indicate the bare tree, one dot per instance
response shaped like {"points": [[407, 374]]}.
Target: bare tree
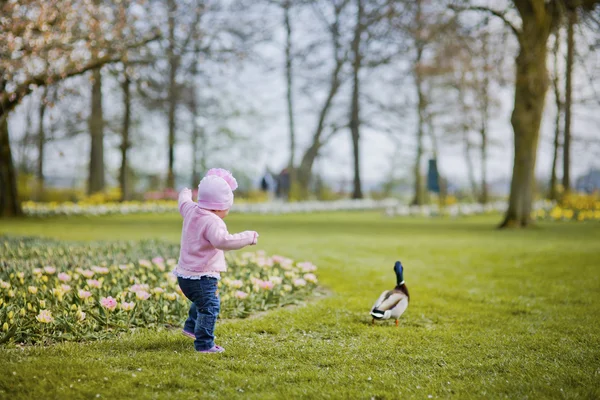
{"points": [[571, 21], [553, 194], [330, 13]]}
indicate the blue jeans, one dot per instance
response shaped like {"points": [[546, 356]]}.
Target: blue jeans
{"points": [[204, 310]]}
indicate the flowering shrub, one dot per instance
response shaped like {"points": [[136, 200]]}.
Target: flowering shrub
{"points": [[55, 291], [573, 207]]}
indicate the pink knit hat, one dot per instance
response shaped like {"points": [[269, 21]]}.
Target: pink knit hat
{"points": [[215, 191]]}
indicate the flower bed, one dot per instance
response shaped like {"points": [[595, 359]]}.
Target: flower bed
{"points": [[162, 206], [55, 291], [574, 207]]}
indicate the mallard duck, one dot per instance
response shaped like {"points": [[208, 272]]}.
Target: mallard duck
{"points": [[392, 303]]}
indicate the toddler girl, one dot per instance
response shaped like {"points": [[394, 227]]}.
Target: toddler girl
{"points": [[201, 260]]}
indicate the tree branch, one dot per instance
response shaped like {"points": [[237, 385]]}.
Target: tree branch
{"points": [[495, 13], [9, 100]]}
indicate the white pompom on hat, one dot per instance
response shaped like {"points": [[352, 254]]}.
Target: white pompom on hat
{"points": [[215, 191]]}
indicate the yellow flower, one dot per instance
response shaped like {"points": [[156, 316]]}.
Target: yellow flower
{"points": [[170, 296], [80, 315], [5, 327], [568, 214], [43, 303], [22, 312], [32, 289]]}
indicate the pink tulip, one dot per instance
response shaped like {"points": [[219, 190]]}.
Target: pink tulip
{"points": [[109, 303]]}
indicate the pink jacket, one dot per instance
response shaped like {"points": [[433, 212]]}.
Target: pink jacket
{"points": [[204, 237]]}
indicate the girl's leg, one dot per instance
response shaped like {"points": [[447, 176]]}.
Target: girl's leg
{"points": [[208, 311], [203, 293], [190, 323]]}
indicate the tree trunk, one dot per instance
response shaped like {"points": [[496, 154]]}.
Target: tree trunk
{"points": [[9, 198], [287, 5], [484, 115], [465, 135], [355, 104], [96, 126], [553, 194], [41, 141], [470, 165], [125, 144], [566, 179], [483, 192], [531, 85], [421, 105], [172, 96]]}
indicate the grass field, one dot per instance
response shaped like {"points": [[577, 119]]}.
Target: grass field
{"points": [[493, 314]]}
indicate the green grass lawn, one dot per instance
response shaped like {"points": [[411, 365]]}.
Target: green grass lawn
{"points": [[493, 314]]}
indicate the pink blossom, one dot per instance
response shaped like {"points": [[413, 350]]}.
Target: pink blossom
{"points": [[100, 270], [45, 317], [142, 295], [83, 294], [240, 295], [94, 283], [158, 260], [49, 270], [299, 282], [64, 277], [145, 263], [65, 288], [267, 285], [127, 306], [87, 273], [312, 278], [108, 302], [137, 287]]}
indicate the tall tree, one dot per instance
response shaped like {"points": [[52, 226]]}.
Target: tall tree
{"points": [[96, 126], [553, 193], [287, 6], [174, 60], [330, 12], [359, 28], [571, 21], [125, 141], [41, 142], [538, 19]]}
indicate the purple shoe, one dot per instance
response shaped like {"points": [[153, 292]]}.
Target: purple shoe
{"points": [[188, 334], [214, 349]]}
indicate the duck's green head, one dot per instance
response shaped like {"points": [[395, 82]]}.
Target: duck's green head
{"points": [[399, 270]]}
